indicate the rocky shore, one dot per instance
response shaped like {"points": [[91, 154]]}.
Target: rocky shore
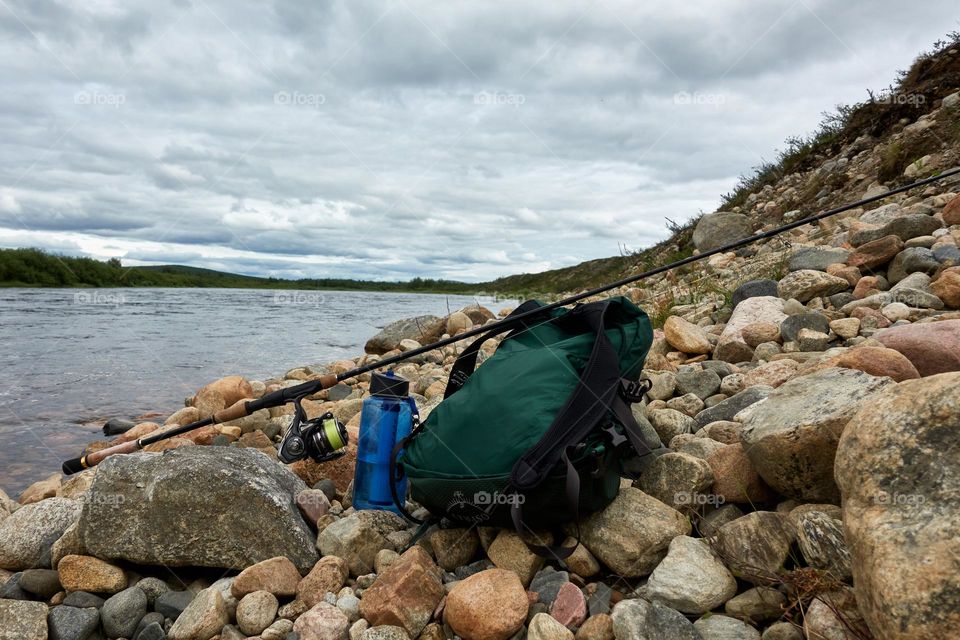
{"points": [[809, 391]]}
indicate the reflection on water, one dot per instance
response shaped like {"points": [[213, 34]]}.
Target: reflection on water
{"points": [[70, 358]]}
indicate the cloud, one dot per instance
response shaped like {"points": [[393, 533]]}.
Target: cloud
{"points": [[407, 138]]}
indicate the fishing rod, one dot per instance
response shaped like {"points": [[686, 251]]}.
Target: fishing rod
{"points": [[319, 438]]}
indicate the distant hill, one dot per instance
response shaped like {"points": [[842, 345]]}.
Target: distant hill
{"points": [[36, 268]]}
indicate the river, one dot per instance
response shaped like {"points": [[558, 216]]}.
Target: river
{"points": [[74, 357]]}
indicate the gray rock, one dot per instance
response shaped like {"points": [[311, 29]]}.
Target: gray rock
{"points": [[70, 623], [816, 258], [547, 583], [912, 260], [641, 620], [904, 227], [722, 369], [733, 405], [754, 289], [631, 534], [783, 631], [670, 422], [808, 284], [790, 328], [83, 600], [718, 229], [599, 600], [203, 618], [723, 628], [837, 300], [358, 537], [820, 538], [757, 604], [919, 281], [703, 383], [755, 546], [153, 631], [420, 328], [116, 426], [150, 619], [154, 588], [41, 582], [28, 533], [256, 611], [164, 500], [947, 253], [712, 522], [122, 612], [731, 346], [691, 579], [385, 632], [792, 436], [663, 384], [21, 620], [675, 478], [172, 603]]}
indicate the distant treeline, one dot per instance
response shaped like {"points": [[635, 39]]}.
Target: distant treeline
{"points": [[36, 268]]}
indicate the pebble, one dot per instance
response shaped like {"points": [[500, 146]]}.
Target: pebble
{"points": [[490, 605], [544, 627], [691, 578], [569, 608], [717, 627], [204, 617], [70, 623], [256, 611], [122, 612]]}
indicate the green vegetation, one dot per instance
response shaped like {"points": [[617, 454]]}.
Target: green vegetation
{"points": [[35, 268], [932, 76]]}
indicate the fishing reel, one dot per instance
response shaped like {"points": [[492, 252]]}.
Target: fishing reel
{"points": [[321, 439]]}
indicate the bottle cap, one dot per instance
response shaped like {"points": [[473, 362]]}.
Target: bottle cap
{"points": [[388, 385]]}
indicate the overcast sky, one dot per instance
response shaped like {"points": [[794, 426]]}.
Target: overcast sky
{"points": [[402, 138]]}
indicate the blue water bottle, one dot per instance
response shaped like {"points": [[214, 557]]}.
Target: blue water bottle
{"points": [[386, 418]]}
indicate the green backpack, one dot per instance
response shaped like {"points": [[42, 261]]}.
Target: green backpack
{"points": [[535, 437]]}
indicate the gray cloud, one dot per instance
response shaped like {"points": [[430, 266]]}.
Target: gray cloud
{"points": [[404, 138]]}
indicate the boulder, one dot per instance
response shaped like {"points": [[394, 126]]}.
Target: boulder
{"points": [[735, 478], [726, 410], [731, 346], [148, 508], [792, 436], [420, 328], [256, 611], [719, 229], [685, 336], [703, 383], [932, 347], [947, 287], [754, 289], [71, 623], [322, 622], [85, 573], [875, 253], [28, 533], [406, 594], [877, 361], [327, 576], [807, 284], [632, 533], [716, 627], [898, 473], [41, 490], [277, 575], [203, 618], [358, 537], [755, 546], [490, 605], [638, 619], [820, 538], [676, 479], [816, 258], [951, 212], [21, 620], [691, 578]]}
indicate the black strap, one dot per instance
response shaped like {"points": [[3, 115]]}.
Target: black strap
{"points": [[587, 405], [572, 490], [466, 362]]}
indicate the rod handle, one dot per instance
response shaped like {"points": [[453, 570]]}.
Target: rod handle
{"points": [[237, 410], [93, 459]]}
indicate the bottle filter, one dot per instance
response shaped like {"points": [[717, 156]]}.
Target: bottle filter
{"points": [[386, 418]]}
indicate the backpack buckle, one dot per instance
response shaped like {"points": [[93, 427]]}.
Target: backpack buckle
{"points": [[633, 390]]}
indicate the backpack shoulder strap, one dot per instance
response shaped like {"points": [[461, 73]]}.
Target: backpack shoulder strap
{"points": [[466, 362]]}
